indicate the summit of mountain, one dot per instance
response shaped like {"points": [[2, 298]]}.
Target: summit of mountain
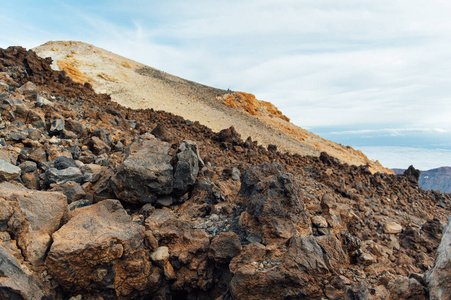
{"points": [[138, 86]]}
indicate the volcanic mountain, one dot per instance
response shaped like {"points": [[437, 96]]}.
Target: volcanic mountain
{"points": [[138, 86], [102, 201]]}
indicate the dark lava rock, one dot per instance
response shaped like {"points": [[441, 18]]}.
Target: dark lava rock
{"points": [[412, 174], [187, 167], [63, 162], [53, 175], [146, 173]]}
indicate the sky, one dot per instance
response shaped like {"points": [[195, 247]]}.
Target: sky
{"points": [[371, 74]]}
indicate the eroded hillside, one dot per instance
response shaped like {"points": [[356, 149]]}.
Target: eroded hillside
{"points": [[138, 86]]}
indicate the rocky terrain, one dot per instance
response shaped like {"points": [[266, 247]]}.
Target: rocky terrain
{"points": [[100, 201], [138, 86], [438, 179]]}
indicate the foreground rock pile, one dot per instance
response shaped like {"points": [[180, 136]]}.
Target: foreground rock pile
{"points": [[103, 202]]}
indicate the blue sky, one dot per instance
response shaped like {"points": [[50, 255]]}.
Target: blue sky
{"points": [[371, 74]]}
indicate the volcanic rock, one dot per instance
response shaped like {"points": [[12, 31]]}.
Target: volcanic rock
{"points": [[160, 256], [54, 175], [63, 162], [187, 167], [224, 247], [392, 228], [28, 167], [97, 145], [92, 172], [146, 173], [56, 127], [100, 250], [18, 282], [163, 133], [72, 190], [274, 202], [8, 171], [32, 217], [439, 278], [412, 174]]}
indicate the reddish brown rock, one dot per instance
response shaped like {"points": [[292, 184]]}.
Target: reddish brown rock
{"points": [[224, 247], [33, 217], [274, 202], [100, 249]]}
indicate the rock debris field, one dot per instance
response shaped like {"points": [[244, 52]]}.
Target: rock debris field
{"points": [[99, 201]]}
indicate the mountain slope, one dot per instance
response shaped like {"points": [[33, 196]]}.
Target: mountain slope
{"points": [[138, 86]]}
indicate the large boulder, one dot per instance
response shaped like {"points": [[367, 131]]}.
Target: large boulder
{"points": [[187, 167], [292, 272], [187, 247], [100, 250], [274, 206], [32, 217], [145, 174], [439, 278]]}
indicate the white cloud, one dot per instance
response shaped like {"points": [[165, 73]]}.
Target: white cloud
{"points": [[403, 157], [390, 131]]}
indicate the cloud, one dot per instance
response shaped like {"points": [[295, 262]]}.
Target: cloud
{"points": [[403, 157], [390, 131]]}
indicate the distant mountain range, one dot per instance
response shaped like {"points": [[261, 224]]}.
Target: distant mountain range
{"points": [[434, 179]]}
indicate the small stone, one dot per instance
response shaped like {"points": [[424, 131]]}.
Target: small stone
{"points": [[8, 171], [160, 256], [28, 166], [41, 101], [169, 272], [31, 180], [392, 228], [91, 172], [56, 127], [272, 148], [319, 221], [54, 175], [165, 201], [63, 162], [54, 140], [37, 155], [77, 204], [150, 240], [214, 217], [29, 88], [238, 149], [97, 146], [34, 134], [119, 147], [99, 274], [72, 190], [236, 174], [367, 259]]}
